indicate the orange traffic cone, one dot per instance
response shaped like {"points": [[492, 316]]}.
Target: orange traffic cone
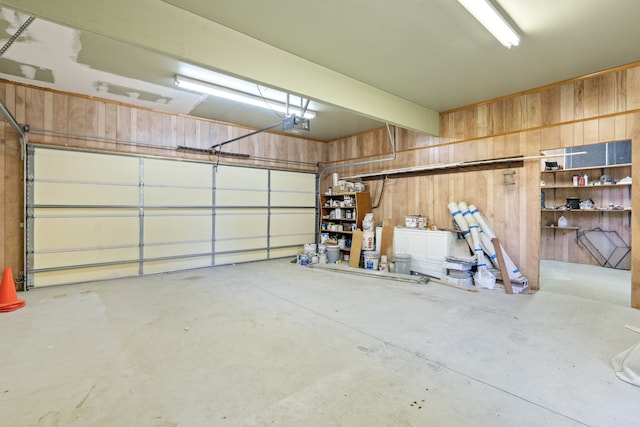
{"points": [[8, 298]]}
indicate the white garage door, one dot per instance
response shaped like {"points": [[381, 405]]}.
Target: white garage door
{"points": [[95, 216]]}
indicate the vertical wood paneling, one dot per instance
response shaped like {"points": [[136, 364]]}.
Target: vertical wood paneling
{"points": [[591, 131], [77, 116], [606, 129], [633, 88], [111, 121], [578, 100], [4, 188], [567, 103], [35, 105], [534, 110], [13, 206], [591, 97], [48, 109], [621, 91], [93, 122], [123, 122], [60, 118], [607, 94], [551, 106], [20, 107]]}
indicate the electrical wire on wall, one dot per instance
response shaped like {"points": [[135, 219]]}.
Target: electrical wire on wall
{"points": [[377, 204]]}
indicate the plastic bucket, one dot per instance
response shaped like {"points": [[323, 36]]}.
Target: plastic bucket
{"points": [[371, 260], [402, 263], [368, 240], [333, 254]]}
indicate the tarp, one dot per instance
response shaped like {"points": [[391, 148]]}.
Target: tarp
{"points": [[627, 364]]}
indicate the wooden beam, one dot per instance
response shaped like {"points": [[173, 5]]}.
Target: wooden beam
{"points": [[503, 267]]}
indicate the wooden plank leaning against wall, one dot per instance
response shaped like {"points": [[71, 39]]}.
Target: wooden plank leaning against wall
{"points": [[597, 108], [69, 120]]}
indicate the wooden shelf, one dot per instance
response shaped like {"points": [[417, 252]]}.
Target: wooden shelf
{"points": [[587, 210], [555, 229], [590, 168], [581, 187], [361, 204]]}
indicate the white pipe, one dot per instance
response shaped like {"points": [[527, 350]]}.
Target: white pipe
{"points": [[459, 164], [512, 269], [462, 224], [473, 229], [483, 277]]}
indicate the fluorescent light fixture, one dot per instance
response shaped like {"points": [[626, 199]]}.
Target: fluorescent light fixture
{"points": [[488, 16], [238, 96]]}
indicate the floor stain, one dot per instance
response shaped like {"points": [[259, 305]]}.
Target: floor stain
{"points": [[79, 405], [193, 278]]}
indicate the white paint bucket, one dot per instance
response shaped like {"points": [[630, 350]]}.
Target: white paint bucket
{"points": [[368, 242], [309, 248], [402, 263], [333, 254], [371, 260]]}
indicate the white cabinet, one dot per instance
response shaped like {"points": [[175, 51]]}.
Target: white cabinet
{"points": [[428, 249]]}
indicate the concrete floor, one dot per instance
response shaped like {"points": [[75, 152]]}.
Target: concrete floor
{"points": [[273, 343]]}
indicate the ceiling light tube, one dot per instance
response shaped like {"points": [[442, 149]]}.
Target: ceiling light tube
{"points": [[488, 16], [233, 95]]}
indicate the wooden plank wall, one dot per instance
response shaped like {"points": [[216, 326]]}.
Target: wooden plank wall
{"points": [[70, 120], [597, 108]]}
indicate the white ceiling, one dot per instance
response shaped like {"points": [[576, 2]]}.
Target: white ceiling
{"points": [[431, 53]]}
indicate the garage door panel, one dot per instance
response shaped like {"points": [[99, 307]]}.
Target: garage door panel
{"points": [[284, 252], [297, 240], [53, 193], [241, 244], [292, 221], [169, 227], [177, 174], [65, 165], [74, 233], [241, 223], [292, 189], [292, 199], [165, 196], [176, 264], [235, 197], [85, 256], [177, 249], [238, 186], [242, 177], [241, 257], [88, 274]]}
